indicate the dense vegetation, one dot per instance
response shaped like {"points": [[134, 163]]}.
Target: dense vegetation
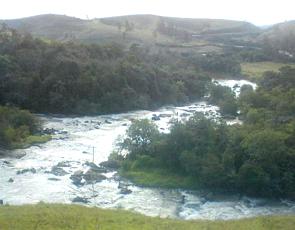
{"points": [[18, 128], [219, 63], [256, 158], [54, 216], [225, 98], [72, 78]]}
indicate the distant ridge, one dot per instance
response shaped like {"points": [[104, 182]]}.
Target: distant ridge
{"points": [[131, 28]]}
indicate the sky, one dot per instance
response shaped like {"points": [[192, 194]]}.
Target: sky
{"points": [[258, 12]]}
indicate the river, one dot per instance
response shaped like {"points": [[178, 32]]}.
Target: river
{"points": [[73, 145]]}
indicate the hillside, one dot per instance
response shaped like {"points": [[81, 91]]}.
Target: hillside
{"points": [[281, 38], [149, 29]]}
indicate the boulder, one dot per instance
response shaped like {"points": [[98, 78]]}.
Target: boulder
{"points": [[53, 179], [92, 176], [19, 155], [10, 180], [63, 164], [182, 201], [57, 171], [184, 114], [48, 131], [79, 199], [63, 132], [164, 115], [123, 186], [31, 170], [94, 167], [110, 164], [125, 191], [156, 118], [77, 178]]}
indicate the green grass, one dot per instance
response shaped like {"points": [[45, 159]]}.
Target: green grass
{"points": [[158, 178], [255, 70], [56, 216], [31, 140]]}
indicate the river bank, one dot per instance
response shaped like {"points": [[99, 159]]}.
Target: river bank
{"points": [[47, 170], [56, 216]]}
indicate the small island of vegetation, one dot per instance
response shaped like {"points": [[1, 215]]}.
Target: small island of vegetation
{"points": [[255, 158], [19, 128]]}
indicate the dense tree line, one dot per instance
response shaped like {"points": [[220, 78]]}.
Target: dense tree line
{"points": [[256, 158], [56, 77], [219, 63]]}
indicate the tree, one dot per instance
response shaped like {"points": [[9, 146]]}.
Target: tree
{"points": [[140, 136]]}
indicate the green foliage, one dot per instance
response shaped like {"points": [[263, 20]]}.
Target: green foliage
{"points": [[140, 135], [91, 79], [253, 179], [256, 158], [17, 126], [253, 56], [155, 177], [225, 98], [31, 140], [219, 63]]}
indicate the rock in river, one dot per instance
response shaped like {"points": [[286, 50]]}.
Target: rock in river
{"points": [[31, 170], [155, 117], [57, 171], [79, 199], [64, 164], [54, 179], [125, 191], [92, 176], [96, 168], [110, 164], [77, 178], [108, 122]]}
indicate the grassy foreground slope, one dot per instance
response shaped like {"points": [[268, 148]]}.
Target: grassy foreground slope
{"points": [[44, 216]]}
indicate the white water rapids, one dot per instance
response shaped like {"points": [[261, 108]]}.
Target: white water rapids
{"points": [[74, 145]]}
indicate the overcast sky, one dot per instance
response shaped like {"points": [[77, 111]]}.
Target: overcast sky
{"points": [[259, 12]]}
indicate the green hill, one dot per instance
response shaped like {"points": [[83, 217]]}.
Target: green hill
{"points": [[281, 39], [134, 28]]}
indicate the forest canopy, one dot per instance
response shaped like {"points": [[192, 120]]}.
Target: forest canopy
{"points": [[52, 77]]}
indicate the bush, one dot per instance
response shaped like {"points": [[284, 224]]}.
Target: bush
{"points": [[16, 126], [224, 98]]}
